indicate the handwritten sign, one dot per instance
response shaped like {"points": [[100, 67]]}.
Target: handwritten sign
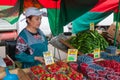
{"points": [[92, 26], [48, 57], [97, 53], [72, 55]]}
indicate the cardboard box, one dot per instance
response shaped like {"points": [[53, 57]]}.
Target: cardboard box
{"points": [[111, 32]]}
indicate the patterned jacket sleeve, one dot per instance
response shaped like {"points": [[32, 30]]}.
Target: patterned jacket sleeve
{"points": [[23, 52]]}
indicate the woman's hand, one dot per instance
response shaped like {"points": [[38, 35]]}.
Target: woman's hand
{"points": [[41, 59]]}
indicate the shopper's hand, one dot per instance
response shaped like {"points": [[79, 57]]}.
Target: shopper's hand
{"points": [[41, 59]]}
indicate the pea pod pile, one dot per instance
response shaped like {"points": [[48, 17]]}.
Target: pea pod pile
{"points": [[87, 41]]}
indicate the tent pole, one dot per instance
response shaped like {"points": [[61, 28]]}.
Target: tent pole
{"points": [[56, 28], [116, 30], [56, 15]]}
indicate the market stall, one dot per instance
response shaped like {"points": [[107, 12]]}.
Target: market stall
{"points": [[92, 63], [89, 55], [85, 68]]}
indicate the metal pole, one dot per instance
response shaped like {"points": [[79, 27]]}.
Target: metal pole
{"points": [[56, 29], [116, 30]]}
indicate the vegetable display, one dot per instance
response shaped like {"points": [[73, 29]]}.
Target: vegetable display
{"points": [[87, 41]]}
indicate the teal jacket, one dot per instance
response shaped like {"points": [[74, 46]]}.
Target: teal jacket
{"points": [[28, 47]]}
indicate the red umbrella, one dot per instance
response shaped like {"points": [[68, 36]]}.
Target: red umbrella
{"points": [[10, 9], [50, 3]]}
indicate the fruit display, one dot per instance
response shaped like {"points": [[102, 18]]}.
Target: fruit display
{"points": [[62, 77], [90, 70], [63, 66], [84, 59], [74, 66], [54, 72], [96, 67], [38, 70], [111, 49], [112, 64], [48, 77], [58, 76], [101, 78], [53, 68], [99, 70], [92, 75], [83, 68], [102, 73], [107, 56], [74, 75], [8, 61], [112, 77]]}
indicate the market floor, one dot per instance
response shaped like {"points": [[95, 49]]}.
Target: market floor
{"points": [[58, 54]]}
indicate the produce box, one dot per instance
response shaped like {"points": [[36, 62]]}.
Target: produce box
{"points": [[21, 74], [111, 32], [55, 76], [53, 68], [9, 62], [58, 71], [37, 71], [63, 66]]}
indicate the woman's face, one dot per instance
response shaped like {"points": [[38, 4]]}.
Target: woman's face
{"points": [[34, 21]]}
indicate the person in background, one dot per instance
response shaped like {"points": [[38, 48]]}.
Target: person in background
{"points": [[31, 41]]}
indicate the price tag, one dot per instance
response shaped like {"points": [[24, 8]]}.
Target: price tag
{"points": [[72, 55], [97, 53], [48, 57], [92, 26]]}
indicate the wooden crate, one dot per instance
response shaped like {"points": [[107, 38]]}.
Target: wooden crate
{"points": [[22, 75]]}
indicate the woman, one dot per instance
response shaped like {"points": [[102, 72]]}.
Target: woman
{"points": [[31, 42]]}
